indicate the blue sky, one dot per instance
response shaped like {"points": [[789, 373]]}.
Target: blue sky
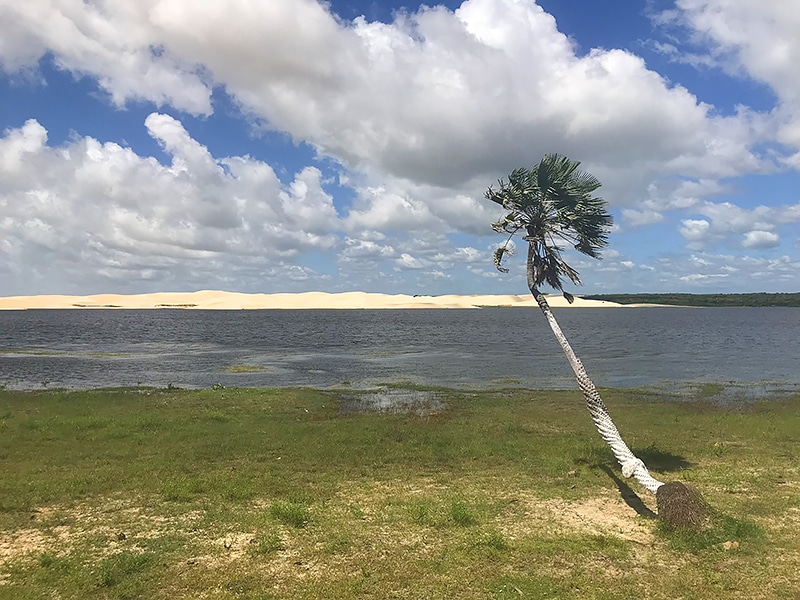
{"points": [[168, 145]]}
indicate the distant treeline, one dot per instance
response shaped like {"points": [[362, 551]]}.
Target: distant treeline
{"points": [[758, 299]]}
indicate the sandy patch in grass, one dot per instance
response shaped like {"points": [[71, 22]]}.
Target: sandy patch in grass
{"points": [[233, 547], [603, 515], [390, 535], [16, 544], [606, 514], [119, 523]]}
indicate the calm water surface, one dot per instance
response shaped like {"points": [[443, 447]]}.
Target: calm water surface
{"points": [[458, 348]]}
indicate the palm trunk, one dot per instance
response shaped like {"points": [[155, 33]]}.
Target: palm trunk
{"points": [[631, 465]]}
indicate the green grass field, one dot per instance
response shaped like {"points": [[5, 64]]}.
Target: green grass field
{"points": [[297, 493]]}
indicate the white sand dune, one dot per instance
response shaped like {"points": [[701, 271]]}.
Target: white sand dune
{"points": [[209, 299]]}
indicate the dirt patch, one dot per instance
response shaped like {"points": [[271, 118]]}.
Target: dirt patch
{"points": [[602, 515], [61, 528], [606, 514], [389, 534], [26, 542], [234, 547]]}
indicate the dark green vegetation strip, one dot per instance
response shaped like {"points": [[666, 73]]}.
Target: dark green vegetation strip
{"points": [[759, 299], [234, 493]]}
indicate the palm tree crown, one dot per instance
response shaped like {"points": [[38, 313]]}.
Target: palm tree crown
{"points": [[552, 203]]}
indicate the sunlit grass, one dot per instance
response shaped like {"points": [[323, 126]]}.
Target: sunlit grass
{"points": [[233, 493]]}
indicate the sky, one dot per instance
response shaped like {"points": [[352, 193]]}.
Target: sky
{"points": [[295, 145]]}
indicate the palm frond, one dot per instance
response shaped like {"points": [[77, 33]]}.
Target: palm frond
{"points": [[498, 257], [553, 201]]}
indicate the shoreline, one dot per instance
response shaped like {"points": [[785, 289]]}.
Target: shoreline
{"points": [[220, 300]]}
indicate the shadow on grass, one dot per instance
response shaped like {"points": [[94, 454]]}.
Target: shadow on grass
{"points": [[653, 457], [630, 497], [659, 460], [722, 531], [597, 457]]}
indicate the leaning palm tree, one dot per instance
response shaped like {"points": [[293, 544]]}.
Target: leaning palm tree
{"points": [[552, 204]]}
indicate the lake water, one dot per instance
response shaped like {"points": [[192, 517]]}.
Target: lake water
{"points": [[486, 348]]}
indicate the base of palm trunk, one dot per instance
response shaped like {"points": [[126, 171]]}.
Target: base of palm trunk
{"points": [[681, 507]]}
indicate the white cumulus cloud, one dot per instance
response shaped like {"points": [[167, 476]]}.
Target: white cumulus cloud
{"points": [[761, 239], [100, 208], [435, 96], [695, 229]]}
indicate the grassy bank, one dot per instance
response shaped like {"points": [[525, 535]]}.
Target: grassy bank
{"points": [[299, 493], [711, 300]]}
